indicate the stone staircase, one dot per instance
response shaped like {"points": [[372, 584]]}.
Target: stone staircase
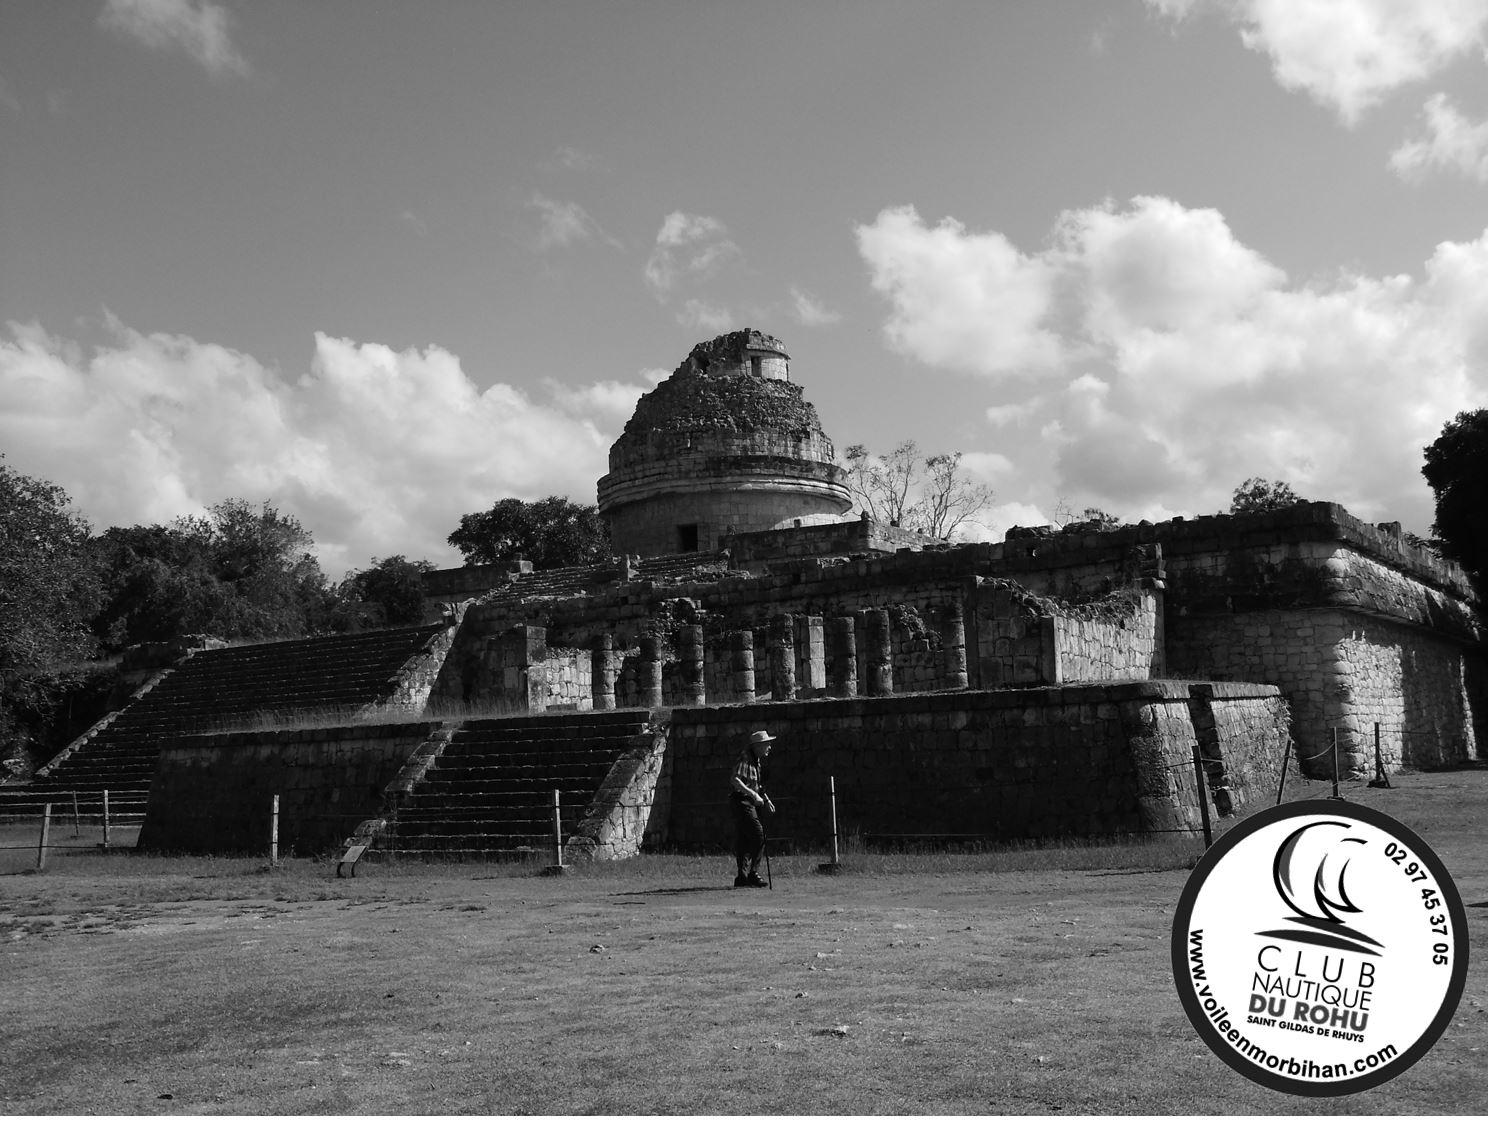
{"points": [[490, 793], [681, 566], [210, 691]]}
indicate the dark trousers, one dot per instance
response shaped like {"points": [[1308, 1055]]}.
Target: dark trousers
{"points": [[750, 839]]}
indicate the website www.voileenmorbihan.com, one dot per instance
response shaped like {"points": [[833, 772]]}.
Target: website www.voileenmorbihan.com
{"points": [[1289, 1065]]}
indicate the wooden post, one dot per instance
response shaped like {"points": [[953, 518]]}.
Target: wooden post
{"points": [[559, 836], [1197, 766], [77, 819], [275, 829], [1381, 780], [1334, 762], [46, 827], [106, 821], [1285, 763]]}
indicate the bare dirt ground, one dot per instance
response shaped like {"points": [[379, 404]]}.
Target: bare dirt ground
{"points": [[957, 985]]}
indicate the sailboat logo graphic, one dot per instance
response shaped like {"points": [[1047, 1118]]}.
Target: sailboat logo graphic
{"points": [[1311, 875]]}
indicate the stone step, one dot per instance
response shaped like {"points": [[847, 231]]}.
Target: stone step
{"points": [[495, 836], [532, 750], [491, 803], [450, 768], [478, 853], [535, 785], [571, 724]]}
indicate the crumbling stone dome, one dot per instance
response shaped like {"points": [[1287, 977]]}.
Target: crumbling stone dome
{"points": [[726, 443]]}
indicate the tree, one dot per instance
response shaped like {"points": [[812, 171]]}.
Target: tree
{"points": [[393, 588], [48, 589], [930, 495], [243, 571], [552, 533], [1457, 470], [1256, 496]]}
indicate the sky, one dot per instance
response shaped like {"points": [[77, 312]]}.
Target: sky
{"points": [[384, 264]]}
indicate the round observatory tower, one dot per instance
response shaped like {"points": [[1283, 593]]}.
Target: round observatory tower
{"points": [[726, 444]]}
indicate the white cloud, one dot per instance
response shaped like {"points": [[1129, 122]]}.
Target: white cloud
{"points": [[810, 311], [609, 404], [200, 28], [562, 224], [705, 315], [376, 451], [575, 159], [1012, 412], [1168, 361], [690, 248], [1451, 142], [966, 301], [1350, 54]]}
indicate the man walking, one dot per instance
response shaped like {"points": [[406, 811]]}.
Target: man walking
{"points": [[746, 798]]}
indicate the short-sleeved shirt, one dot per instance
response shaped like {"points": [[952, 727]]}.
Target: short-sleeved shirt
{"points": [[749, 771]]}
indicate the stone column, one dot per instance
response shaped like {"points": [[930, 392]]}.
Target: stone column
{"points": [[780, 655], [650, 672], [955, 660], [842, 667], [743, 667], [810, 638], [521, 657], [878, 653], [603, 674], [692, 663]]}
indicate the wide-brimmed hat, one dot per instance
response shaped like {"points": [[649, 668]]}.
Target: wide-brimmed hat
{"points": [[757, 739]]}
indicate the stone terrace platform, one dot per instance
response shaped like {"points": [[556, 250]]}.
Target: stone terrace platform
{"points": [[211, 690]]}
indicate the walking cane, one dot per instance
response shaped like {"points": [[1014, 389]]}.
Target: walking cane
{"points": [[766, 855]]}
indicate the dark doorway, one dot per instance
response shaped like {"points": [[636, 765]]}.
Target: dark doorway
{"points": [[689, 538]]}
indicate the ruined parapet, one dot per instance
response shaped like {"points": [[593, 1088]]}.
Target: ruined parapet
{"points": [[1359, 626], [725, 444], [627, 811]]}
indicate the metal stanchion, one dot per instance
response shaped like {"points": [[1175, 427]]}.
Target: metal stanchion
{"points": [[834, 833]]}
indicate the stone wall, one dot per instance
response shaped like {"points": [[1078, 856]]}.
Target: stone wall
{"points": [[1089, 760], [1346, 672], [647, 504], [755, 552], [1116, 640], [213, 793]]}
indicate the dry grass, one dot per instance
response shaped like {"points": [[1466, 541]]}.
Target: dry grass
{"points": [[1016, 981]]}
